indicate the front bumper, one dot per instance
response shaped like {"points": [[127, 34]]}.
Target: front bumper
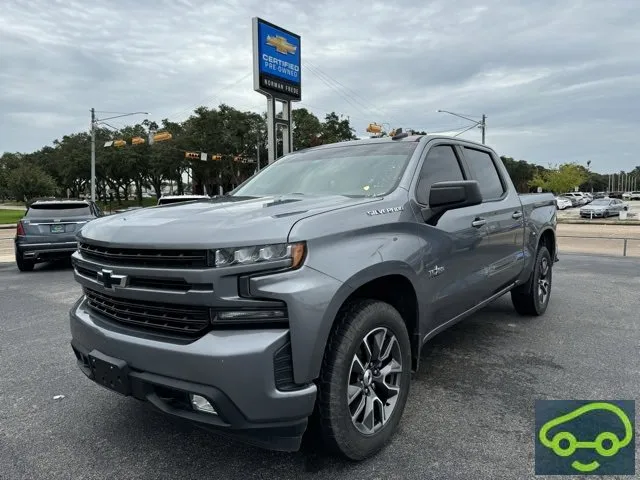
{"points": [[232, 369], [595, 213], [42, 252]]}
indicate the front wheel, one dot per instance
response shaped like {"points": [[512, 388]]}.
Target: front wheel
{"points": [[532, 298], [365, 378]]}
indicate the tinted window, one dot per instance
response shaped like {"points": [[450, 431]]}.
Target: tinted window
{"points": [[352, 170], [441, 165], [58, 210], [484, 171]]}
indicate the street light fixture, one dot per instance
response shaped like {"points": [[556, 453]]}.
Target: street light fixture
{"points": [[482, 124], [94, 122]]}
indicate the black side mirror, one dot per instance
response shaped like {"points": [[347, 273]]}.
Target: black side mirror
{"points": [[445, 196]]}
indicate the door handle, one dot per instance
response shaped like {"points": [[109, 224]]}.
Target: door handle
{"points": [[478, 222], [516, 215]]}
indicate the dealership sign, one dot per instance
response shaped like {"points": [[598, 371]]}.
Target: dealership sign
{"points": [[276, 61]]}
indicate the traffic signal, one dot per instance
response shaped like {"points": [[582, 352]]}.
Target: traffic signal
{"points": [[374, 128], [119, 143], [137, 141], [237, 158], [192, 155], [161, 137], [217, 156]]}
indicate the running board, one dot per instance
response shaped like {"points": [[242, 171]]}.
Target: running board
{"points": [[472, 310]]}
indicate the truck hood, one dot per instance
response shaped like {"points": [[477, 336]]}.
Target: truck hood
{"points": [[220, 222]]}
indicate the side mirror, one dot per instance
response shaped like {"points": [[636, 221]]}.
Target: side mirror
{"points": [[445, 196]]}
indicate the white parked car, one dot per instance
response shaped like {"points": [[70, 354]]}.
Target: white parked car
{"points": [[635, 195], [580, 197], [563, 202]]}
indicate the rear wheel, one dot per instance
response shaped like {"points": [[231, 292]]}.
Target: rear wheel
{"points": [[365, 378], [24, 265], [532, 298]]}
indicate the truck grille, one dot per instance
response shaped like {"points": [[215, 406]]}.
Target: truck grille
{"points": [[146, 257], [176, 319]]}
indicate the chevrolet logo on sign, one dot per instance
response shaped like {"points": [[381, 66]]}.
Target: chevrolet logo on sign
{"points": [[281, 45]]}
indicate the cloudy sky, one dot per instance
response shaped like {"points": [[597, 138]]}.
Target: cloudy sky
{"points": [[558, 80]]}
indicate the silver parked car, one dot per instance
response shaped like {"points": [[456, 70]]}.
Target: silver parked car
{"points": [[48, 230], [603, 207]]}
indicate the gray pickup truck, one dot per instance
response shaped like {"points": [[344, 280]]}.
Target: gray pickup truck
{"points": [[308, 292]]}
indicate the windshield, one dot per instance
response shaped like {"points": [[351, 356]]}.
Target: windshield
{"points": [[350, 170], [601, 202], [67, 209]]}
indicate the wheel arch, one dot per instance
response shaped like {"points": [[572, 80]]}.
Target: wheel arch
{"points": [[394, 283]]}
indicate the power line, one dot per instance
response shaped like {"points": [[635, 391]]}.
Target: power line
{"points": [[354, 94], [206, 100], [347, 98]]}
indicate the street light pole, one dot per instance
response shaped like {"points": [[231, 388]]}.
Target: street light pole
{"points": [[482, 124], [93, 155], [94, 122]]}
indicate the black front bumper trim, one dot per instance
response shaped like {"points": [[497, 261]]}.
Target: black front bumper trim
{"points": [[170, 396]]}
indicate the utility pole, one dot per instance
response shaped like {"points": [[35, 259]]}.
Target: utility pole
{"points": [[482, 124], [93, 155]]}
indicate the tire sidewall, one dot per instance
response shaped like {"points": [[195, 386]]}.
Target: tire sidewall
{"points": [[543, 253], [387, 317]]}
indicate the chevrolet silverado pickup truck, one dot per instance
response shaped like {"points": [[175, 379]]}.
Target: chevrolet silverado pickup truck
{"points": [[308, 292]]}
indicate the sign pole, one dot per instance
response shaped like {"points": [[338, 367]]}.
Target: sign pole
{"points": [[277, 75], [271, 130]]}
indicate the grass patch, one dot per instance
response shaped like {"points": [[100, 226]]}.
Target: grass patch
{"points": [[10, 216]]}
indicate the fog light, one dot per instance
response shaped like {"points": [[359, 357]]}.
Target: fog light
{"points": [[201, 404]]}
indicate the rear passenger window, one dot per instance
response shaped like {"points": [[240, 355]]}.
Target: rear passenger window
{"points": [[484, 171], [441, 165]]}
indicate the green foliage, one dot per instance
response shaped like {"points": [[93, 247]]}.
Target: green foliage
{"points": [[561, 179], [122, 173], [27, 182]]}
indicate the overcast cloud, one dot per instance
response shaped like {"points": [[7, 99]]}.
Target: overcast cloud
{"points": [[558, 81]]}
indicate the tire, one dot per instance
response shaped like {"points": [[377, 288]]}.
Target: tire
{"points": [[359, 321], [24, 265], [528, 299]]}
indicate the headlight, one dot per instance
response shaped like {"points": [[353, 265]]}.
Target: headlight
{"points": [[294, 252]]}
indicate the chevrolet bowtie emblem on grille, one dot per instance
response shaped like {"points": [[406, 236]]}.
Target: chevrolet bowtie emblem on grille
{"points": [[109, 280], [281, 44]]}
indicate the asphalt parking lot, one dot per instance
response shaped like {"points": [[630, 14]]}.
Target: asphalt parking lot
{"points": [[469, 416]]}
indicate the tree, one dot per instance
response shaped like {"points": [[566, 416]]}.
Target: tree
{"points": [[559, 180], [307, 129], [336, 130], [27, 182]]}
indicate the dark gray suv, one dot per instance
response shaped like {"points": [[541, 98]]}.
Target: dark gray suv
{"points": [[310, 290], [48, 230]]}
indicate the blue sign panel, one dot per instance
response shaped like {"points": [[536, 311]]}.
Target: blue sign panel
{"points": [[278, 61]]}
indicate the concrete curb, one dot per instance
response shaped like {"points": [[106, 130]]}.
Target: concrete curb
{"points": [[7, 226], [598, 222]]}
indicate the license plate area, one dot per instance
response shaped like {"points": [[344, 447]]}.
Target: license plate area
{"points": [[57, 228], [111, 373]]}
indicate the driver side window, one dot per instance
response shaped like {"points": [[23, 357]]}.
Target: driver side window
{"points": [[441, 165]]}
